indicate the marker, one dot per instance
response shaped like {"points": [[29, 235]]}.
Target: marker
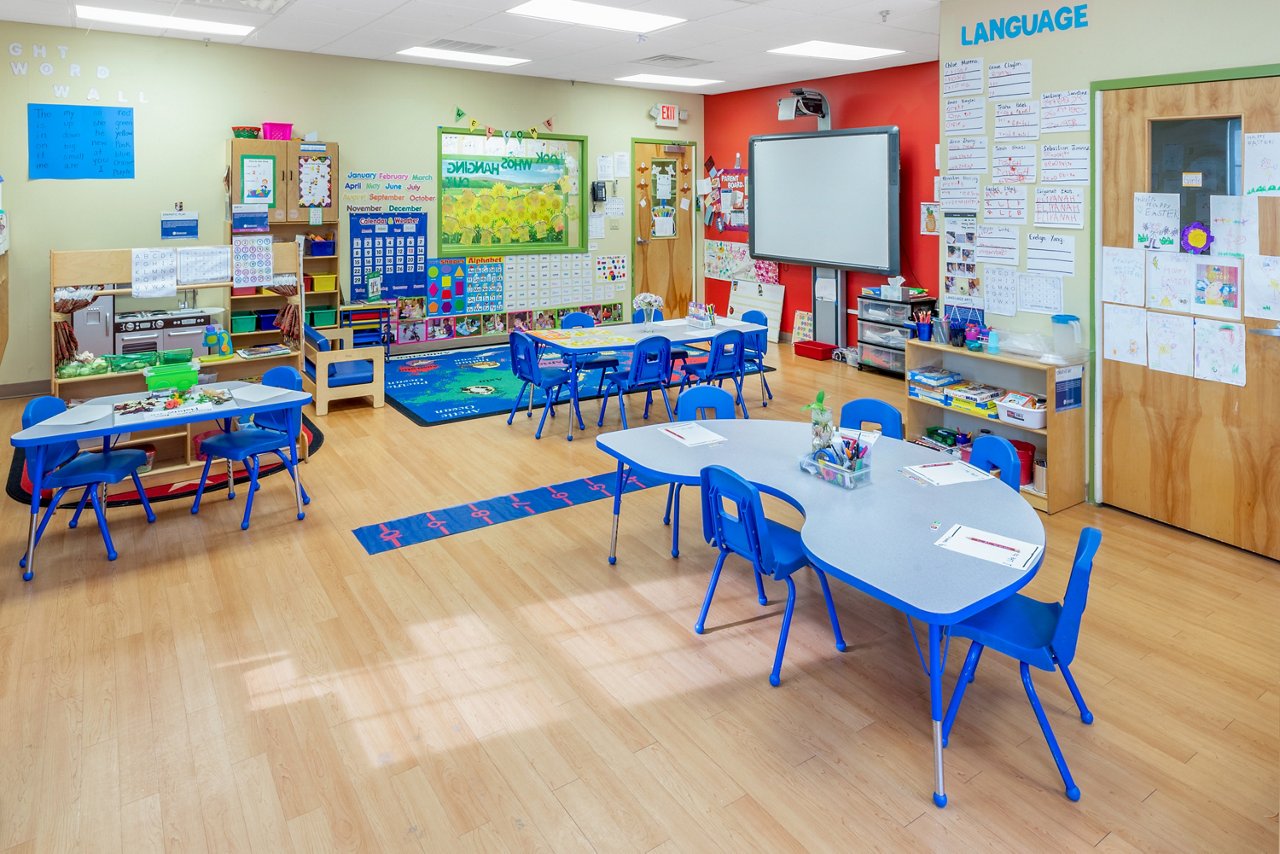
{"points": [[673, 433]]}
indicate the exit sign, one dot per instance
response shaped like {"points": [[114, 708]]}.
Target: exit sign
{"points": [[668, 116]]}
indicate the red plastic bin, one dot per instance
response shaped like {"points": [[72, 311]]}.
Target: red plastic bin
{"points": [[1026, 459], [277, 130], [814, 350]]}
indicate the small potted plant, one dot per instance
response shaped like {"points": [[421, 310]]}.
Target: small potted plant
{"points": [[648, 303], [820, 421]]}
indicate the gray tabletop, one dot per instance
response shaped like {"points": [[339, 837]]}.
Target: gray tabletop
{"points": [[676, 330], [879, 538]]}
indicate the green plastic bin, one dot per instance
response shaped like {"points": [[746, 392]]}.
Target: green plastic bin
{"points": [[323, 316], [243, 321]]}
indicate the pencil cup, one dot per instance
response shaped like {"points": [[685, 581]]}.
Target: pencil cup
{"points": [[924, 331]]}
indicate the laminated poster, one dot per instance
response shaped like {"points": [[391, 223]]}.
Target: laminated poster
{"points": [[1220, 351], [960, 282], [1171, 343], [1262, 286], [1000, 285], [155, 273], [1124, 334], [251, 261], [1124, 275]]}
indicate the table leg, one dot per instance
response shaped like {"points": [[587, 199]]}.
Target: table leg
{"points": [[617, 511], [35, 471], [574, 410], [295, 429], [935, 711]]}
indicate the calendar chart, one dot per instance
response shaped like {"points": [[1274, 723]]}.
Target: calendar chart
{"points": [[392, 247]]}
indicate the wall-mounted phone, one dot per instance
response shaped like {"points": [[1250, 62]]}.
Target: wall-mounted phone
{"points": [[598, 193]]}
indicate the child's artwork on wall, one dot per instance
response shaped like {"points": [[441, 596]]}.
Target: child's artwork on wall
{"points": [[724, 260], [1170, 343], [1220, 351], [315, 180], [1124, 275], [257, 180], [1217, 287], [1262, 286], [1155, 221], [1233, 220], [1262, 164], [1124, 334]]}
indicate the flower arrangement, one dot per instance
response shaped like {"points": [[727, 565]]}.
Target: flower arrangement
{"points": [[653, 302], [820, 422]]}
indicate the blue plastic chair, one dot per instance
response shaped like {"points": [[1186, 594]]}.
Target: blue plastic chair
{"points": [[868, 410], [1043, 634], [700, 403], [733, 519], [725, 361], [267, 435], [602, 363], [650, 371], [755, 345], [996, 452], [65, 468], [527, 368], [677, 353]]}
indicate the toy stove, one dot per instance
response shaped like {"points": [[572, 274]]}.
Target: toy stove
{"points": [[148, 331], [141, 321]]}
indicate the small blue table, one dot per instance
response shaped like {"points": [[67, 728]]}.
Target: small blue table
{"points": [[878, 538], [37, 439]]}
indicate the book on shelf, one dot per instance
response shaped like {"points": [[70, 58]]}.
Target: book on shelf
{"points": [[263, 351]]}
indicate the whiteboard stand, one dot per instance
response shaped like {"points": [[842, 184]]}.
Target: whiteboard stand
{"points": [[829, 325]]}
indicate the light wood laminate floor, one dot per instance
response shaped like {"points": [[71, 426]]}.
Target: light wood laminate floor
{"points": [[279, 689]]}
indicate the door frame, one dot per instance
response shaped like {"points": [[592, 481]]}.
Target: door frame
{"points": [[1096, 88], [695, 233]]}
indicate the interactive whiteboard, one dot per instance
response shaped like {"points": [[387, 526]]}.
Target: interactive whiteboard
{"points": [[827, 198]]}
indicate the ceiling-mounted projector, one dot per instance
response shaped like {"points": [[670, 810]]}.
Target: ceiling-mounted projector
{"points": [[803, 102]]}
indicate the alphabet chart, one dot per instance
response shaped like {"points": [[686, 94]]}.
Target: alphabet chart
{"points": [[155, 273]]}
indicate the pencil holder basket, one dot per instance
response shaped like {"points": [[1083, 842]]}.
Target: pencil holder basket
{"points": [[845, 478]]}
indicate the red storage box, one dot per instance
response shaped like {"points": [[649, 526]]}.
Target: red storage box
{"points": [[244, 292], [1026, 458], [814, 349]]}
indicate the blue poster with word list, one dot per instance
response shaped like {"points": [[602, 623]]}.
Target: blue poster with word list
{"points": [[65, 141]]}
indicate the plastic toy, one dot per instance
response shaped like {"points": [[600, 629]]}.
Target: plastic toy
{"points": [[218, 340]]}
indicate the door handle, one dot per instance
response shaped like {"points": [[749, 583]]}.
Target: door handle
{"points": [[1270, 333], [641, 240]]}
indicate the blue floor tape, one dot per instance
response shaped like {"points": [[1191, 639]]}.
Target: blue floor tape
{"points": [[421, 527]]}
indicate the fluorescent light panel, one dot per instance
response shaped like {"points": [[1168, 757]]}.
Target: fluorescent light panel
{"points": [[594, 15], [460, 56], [161, 22], [834, 50], [664, 80]]}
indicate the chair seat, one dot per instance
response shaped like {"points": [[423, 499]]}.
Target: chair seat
{"points": [[344, 373], [93, 467], [702, 372], [679, 353], [1020, 627], [788, 553], [242, 444]]}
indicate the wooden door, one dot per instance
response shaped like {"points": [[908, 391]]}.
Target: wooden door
{"points": [[312, 180], [259, 174], [1197, 454], [663, 193]]}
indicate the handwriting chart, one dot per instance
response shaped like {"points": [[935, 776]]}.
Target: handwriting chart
{"points": [[1009, 79], [964, 116], [1064, 164], [65, 141], [1017, 120], [959, 193], [1004, 204], [1013, 164], [1064, 112], [966, 154], [962, 77], [1051, 253], [999, 244], [1059, 207]]}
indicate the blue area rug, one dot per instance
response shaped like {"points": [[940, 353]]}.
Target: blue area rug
{"points": [[421, 527], [454, 385]]}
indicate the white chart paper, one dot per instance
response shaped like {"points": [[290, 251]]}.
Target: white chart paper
{"points": [[1039, 293], [1124, 334], [155, 273], [1171, 343], [1262, 286], [966, 154], [1064, 164], [1059, 207], [964, 116], [1064, 112], [999, 244], [1051, 253], [962, 77], [1004, 203], [1010, 79], [202, 264], [1124, 275], [1017, 120], [959, 194], [1000, 288], [1013, 163], [1220, 351]]}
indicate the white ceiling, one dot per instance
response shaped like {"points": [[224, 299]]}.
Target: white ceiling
{"points": [[729, 37]]}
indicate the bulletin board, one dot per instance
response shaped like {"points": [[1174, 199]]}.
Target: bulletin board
{"points": [[68, 142], [510, 193]]}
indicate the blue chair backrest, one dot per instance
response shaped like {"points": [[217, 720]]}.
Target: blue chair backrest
{"points": [[281, 376], [577, 320], [315, 339], [991, 452], [651, 361], [726, 356], [524, 358], [733, 518], [637, 316], [864, 410], [757, 342], [695, 402], [38, 410], [1068, 630]]}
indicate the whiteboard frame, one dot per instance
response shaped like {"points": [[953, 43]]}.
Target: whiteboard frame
{"points": [[893, 166]]}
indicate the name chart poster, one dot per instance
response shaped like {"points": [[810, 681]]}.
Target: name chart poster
{"points": [[68, 142]]}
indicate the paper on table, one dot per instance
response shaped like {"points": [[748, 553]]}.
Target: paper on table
{"points": [[256, 393], [78, 415], [948, 473], [996, 548], [691, 435]]}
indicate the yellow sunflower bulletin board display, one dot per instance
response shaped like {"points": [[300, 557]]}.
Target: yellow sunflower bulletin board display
{"points": [[507, 193]]}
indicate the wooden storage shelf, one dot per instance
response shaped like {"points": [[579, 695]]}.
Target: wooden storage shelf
{"points": [[1061, 442]]}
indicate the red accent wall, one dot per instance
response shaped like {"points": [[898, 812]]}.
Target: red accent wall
{"points": [[906, 96]]}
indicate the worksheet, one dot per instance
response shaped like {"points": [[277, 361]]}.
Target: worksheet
{"points": [[996, 548]]}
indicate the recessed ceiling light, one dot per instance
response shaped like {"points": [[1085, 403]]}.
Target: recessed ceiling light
{"points": [[162, 22], [594, 15], [664, 80], [460, 56], [834, 50]]}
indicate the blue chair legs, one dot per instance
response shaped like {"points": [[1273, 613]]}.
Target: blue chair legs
{"points": [[1072, 790], [711, 591], [1086, 716], [962, 682], [102, 523], [831, 609], [775, 676], [760, 597], [516, 406], [90, 497]]}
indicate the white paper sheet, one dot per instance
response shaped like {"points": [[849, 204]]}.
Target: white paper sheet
{"points": [[691, 434], [1051, 253], [1171, 343], [948, 473], [155, 273], [964, 116], [1064, 112], [966, 154], [1155, 221], [1170, 281], [1040, 293], [256, 393], [1010, 79], [1124, 275], [1220, 351], [999, 244], [1262, 164], [1124, 334], [83, 414], [1013, 163], [1262, 286], [1059, 207], [962, 77], [995, 548], [614, 207], [959, 193], [595, 226], [1000, 287], [1017, 120], [621, 165], [201, 264], [1004, 203], [1233, 222], [1064, 164]]}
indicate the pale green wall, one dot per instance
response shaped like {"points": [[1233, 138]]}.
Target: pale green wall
{"points": [[384, 115], [1124, 38]]}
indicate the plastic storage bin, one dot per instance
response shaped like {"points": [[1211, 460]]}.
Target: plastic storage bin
{"points": [[244, 291], [176, 357], [323, 316], [243, 321], [878, 311], [1020, 415], [883, 334], [814, 349], [277, 130], [884, 358], [124, 363], [321, 248], [324, 281], [245, 131], [267, 318], [180, 377]]}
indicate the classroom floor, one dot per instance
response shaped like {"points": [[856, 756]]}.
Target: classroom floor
{"points": [[279, 689]]}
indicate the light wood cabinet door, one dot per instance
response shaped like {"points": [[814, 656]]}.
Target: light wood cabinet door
{"points": [[312, 180], [259, 174]]}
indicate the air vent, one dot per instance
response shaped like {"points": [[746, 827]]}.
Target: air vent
{"points": [[462, 47], [667, 60]]}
